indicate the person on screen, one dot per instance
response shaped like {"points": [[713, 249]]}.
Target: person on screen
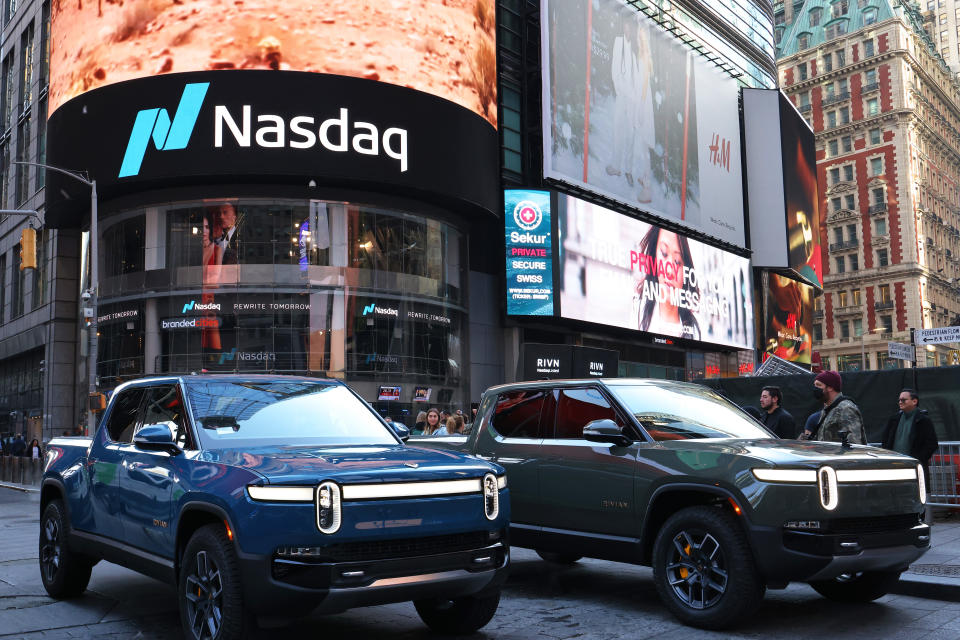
{"points": [[211, 257], [624, 68], [663, 309], [644, 135], [226, 221]]}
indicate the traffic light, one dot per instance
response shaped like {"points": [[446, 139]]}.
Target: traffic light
{"points": [[28, 249]]}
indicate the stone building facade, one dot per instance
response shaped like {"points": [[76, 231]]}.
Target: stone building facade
{"points": [[886, 112]]}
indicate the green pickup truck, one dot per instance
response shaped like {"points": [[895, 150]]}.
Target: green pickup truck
{"points": [[674, 476]]}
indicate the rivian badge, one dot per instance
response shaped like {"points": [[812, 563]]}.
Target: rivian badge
{"points": [[412, 465]]}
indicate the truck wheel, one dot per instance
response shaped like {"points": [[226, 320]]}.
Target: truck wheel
{"points": [[211, 601], [558, 558], [65, 573], [460, 616], [703, 568], [866, 586]]}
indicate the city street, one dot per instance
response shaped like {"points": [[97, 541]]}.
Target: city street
{"points": [[592, 599]]}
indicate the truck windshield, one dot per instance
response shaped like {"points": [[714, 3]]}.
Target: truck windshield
{"points": [[685, 412], [231, 414]]}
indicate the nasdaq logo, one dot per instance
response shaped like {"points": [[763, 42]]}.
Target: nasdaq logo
{"points": [[227, 355], [193, 306], [370, 308], [167, 135]]}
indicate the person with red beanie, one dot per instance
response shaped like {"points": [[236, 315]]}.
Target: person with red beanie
{"points": [[840, 414]]}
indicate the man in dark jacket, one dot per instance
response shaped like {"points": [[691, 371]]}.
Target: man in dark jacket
{"points": [[840, 414], [774, 416], [911, 431], [19, 447]]}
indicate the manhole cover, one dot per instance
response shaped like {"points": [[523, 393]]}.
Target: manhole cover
{"points": [[951, 570]]}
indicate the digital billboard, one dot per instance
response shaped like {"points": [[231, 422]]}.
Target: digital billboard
{"points": [[630, 113], [781, 186], [620, 271], [529, 252], [789, 318], [451, 55]]}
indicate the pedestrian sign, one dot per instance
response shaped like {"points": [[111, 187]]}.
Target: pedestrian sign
{"points": [[936, 336], [900, 351]]}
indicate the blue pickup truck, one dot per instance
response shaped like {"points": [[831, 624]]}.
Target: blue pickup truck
{"points": [[272, 497]]}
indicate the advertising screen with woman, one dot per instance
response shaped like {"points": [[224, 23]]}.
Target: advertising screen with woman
{"points": [[620, 271]]}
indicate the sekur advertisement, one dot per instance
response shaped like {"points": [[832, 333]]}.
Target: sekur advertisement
{"points": [[619, 271]]}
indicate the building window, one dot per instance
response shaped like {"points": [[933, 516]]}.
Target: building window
{"points": [[818, 332], [880, 227], [850, 202], [842, 299], [841, 265], [22, 171], [26, 68], [848, 173], [510, 130], [846, 143], [879, 197], [3, 287], [854, 262], [40, 273], [838, 8], [16, 281], [856, 297], [873, 107], [41, 174], [870, 76], [834, 175], [841, 58], [838, 235], [869, 16], [867, 48], [844, 115], [827, 63], [852, 232], [882, 259], [884, 293], [837, 203], [844, 329], [45, 49], [833, 148], [805, 99], [831, 119], [874, 136], [887, 322], [803, 40], [802, 67], [835, 30], [876, 166], [815, 15], [857, 327]]}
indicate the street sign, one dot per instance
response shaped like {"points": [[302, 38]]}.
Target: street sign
{"points": [[936, 336], [900, 351]]}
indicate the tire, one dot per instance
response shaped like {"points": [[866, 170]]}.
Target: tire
{"points": [[65, 573], [209, 584], [705, 546], [857, 587], [558, 558], [461, 616]]}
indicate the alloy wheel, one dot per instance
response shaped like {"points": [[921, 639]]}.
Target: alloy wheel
{"points": [[696, 569], [50, 549], [204, 589]]}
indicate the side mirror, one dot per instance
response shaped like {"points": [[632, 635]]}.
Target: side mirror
{"points": [[605, 430], [157, 437], [401, 430]]}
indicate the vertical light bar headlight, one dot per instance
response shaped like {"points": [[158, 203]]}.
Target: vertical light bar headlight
{"points": [[922, 482], [827, 483], [491, 497], [328, 507]]}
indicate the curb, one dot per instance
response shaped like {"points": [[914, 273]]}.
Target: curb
{"points": [[930, 587], [19, 487]]}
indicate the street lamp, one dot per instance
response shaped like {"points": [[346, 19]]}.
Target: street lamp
{"points": [[91, 293]]}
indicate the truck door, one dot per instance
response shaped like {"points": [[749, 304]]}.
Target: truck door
{"points": [[103, 463], [148, 478]]}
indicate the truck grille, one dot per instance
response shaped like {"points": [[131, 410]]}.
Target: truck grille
{"points": [[877, 524], [404, 548]]}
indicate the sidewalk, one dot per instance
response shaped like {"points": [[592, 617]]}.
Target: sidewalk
{"points": [[937, 574]]}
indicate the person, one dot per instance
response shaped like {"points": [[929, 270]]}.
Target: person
{"points": [[810, 426], [19, 447], [433, 422], [225, 220], [455, 425], [419, 424], [474, 407], [910, 431], [840, 414], [387, 419], [444, 414], [34, 451], [666, 270], [775, 417], [3, 446], [445, 428]]}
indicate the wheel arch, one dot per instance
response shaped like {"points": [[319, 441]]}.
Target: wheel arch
{"points": [[193, 516], [671, 498], [52, 489]]}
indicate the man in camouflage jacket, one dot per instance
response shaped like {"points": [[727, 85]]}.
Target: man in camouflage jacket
{"points": [[840, 414]]}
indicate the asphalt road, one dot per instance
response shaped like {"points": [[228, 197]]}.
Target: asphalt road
{"points": [[592, 599]]}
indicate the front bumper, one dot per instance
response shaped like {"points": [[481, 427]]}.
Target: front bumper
{"points": [[284, 588], [786, 555]]}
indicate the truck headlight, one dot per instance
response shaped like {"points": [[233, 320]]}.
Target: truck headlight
{"points": [[491, 496], [923, 485], [827, 484], [328, 507]]}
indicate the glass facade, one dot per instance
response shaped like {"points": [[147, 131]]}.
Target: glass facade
{"points": [[371, 295]]}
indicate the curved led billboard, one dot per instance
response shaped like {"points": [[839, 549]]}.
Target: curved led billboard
{"points": [[619, 271], [442, 47]]}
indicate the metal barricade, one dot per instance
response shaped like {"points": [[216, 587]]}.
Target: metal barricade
{"points": [[944, 489], [19, 470]]}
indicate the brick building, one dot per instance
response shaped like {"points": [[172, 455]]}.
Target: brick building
{"points": [[886, 112]]}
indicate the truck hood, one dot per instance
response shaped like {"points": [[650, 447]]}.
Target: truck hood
{"points": [[794, 453], [302, 465]]}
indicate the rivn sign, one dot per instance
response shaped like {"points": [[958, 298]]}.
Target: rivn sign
{"points": [[936, 336], [900, 351]]}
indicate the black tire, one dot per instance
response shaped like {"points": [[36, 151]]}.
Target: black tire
{"points": [[703, 568], [65, 573], [558, 558], [209, 584], [865, 586], [460, 616]]}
